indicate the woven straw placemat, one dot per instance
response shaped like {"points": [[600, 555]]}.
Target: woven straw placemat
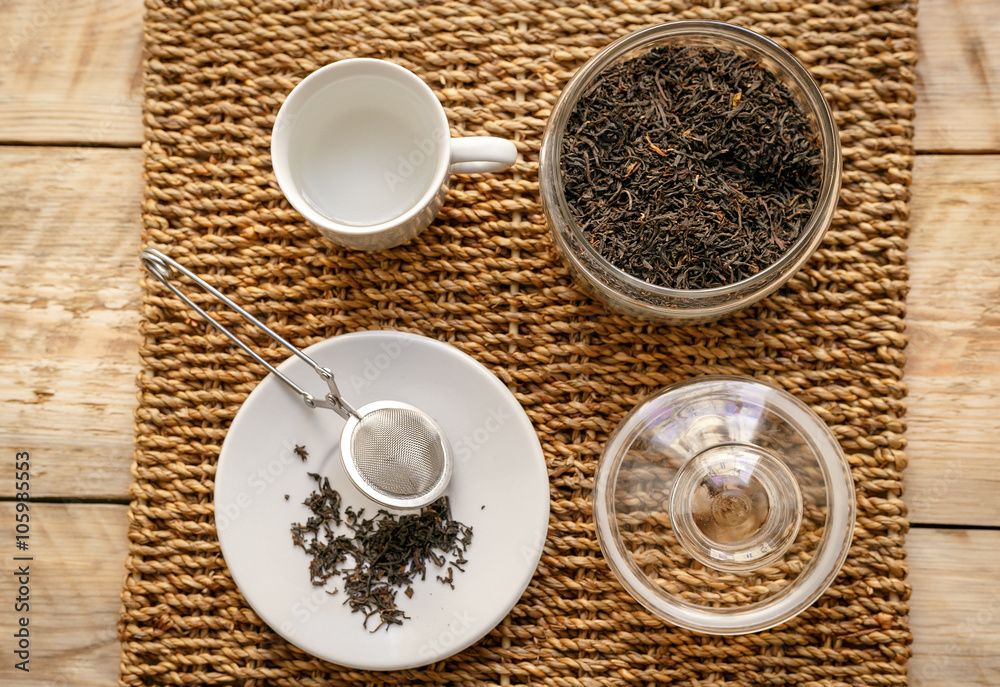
{"points": [[485, 278]]}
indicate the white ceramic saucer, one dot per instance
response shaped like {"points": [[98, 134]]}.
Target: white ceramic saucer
{"points": [[499, 487]]}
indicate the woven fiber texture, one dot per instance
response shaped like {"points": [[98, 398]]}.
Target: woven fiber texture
{"points": [[486, 279]]}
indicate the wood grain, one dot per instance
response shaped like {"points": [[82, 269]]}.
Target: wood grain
{"points": [[955, 608], [953, 360], [79, 551], [958, 76], [74, 585], [72, 71], [69, 300], [69, 354], [69, 296]]}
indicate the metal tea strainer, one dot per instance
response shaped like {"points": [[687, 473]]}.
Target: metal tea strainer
{"points": [[394, 453]]}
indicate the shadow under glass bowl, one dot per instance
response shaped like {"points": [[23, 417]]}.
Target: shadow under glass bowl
{"points": [[625, 293]]}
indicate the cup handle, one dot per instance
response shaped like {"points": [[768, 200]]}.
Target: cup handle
{"points": [[480, 154]]}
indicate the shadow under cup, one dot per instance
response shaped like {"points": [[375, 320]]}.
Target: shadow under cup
{"points": [[360, 145]]}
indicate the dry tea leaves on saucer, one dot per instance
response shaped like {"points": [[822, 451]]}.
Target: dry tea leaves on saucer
{"points": [[380, 555], [690, 167]]}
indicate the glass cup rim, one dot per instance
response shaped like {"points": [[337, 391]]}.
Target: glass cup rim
{"points": [[812, 233]]}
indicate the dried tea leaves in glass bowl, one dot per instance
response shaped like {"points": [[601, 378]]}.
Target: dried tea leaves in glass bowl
{"points": [[689, 170], [690, 167]]}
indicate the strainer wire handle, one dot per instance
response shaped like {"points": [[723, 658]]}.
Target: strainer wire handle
{"points": [[165, 269]]}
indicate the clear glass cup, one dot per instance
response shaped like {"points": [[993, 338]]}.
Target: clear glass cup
{"points": [[633, 296], [724, 505]]}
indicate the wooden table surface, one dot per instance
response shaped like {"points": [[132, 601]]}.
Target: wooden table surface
{"points": [[70, 131]]}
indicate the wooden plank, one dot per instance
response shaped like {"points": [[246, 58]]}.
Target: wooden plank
{"points": [[953, 360], [72, 71], [69, 300], [79, 551], [948, 459], [958, 76], [955, 608], [70, 352], [74, 587]]}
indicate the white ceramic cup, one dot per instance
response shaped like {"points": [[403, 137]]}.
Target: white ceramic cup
{"points": [[361, 148]]}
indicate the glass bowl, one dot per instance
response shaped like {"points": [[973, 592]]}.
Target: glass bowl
{"points": [[631, 295], [724, 505]]}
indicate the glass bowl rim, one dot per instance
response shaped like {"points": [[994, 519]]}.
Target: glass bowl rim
{"points": [[794, 257], [810, 584]]}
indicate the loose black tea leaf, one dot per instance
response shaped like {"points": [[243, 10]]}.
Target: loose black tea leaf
{"points": [[690, 167], [449, 580], [387, 551], [301, 452]]}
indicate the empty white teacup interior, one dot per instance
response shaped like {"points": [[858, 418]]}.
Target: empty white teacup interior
{"points": [[365, 142]]}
